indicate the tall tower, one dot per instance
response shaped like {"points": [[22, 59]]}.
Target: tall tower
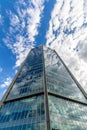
{"points": [[44, 95]]}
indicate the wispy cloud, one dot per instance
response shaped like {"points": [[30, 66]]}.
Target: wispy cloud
{"points": [[1, 69], [23, 27], [1, 19], [67, 35], [6, 83]]}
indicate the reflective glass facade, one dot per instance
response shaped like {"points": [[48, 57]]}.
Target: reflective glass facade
{"points": [[25, 114], [43, 96], [58, 79], [67, 115], [30, 78]]}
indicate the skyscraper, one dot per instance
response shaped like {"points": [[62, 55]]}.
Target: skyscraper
{"points": [[44, 95]]}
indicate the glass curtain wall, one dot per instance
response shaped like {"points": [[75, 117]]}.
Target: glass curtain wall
{"points": [[64, 96], [24, 107], [67, 115], [43, 96], [25, 114], [58, 79], [30, 79]]}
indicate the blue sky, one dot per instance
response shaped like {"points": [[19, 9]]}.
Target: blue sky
{"points": [[59, 24]]}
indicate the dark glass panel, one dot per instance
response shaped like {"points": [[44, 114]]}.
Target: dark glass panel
{"points": [[67, 115], [58, 78]]}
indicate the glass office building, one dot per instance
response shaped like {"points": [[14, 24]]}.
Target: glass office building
{"points": [[44, 95]]}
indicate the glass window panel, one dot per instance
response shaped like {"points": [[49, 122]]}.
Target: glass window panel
{"points": [[58, 79], [67, 115]]}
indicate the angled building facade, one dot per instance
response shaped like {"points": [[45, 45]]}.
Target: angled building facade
{"points": [[44, 95]]}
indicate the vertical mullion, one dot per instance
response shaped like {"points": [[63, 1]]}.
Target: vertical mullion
{"points": [[45, 94]]}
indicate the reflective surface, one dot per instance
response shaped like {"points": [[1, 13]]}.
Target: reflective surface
{"points": [[30, 79], [58, 79], [67, 115], [27, 114], [43, 70]]}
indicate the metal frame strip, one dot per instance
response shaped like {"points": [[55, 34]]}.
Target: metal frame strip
{"points": [[46, 95]]}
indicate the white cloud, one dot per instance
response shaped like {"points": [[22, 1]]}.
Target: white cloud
{"points": [[6, 82], [23, 27], [1, 19], [85, 10], [68, 36], [1, 69], [82, 46], [4, 91], [14, 19]]}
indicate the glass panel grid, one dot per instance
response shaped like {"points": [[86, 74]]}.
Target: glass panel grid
{"points": [[58, 79], [30, 79], [29, 114], [23, 113], [67, 115]]}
